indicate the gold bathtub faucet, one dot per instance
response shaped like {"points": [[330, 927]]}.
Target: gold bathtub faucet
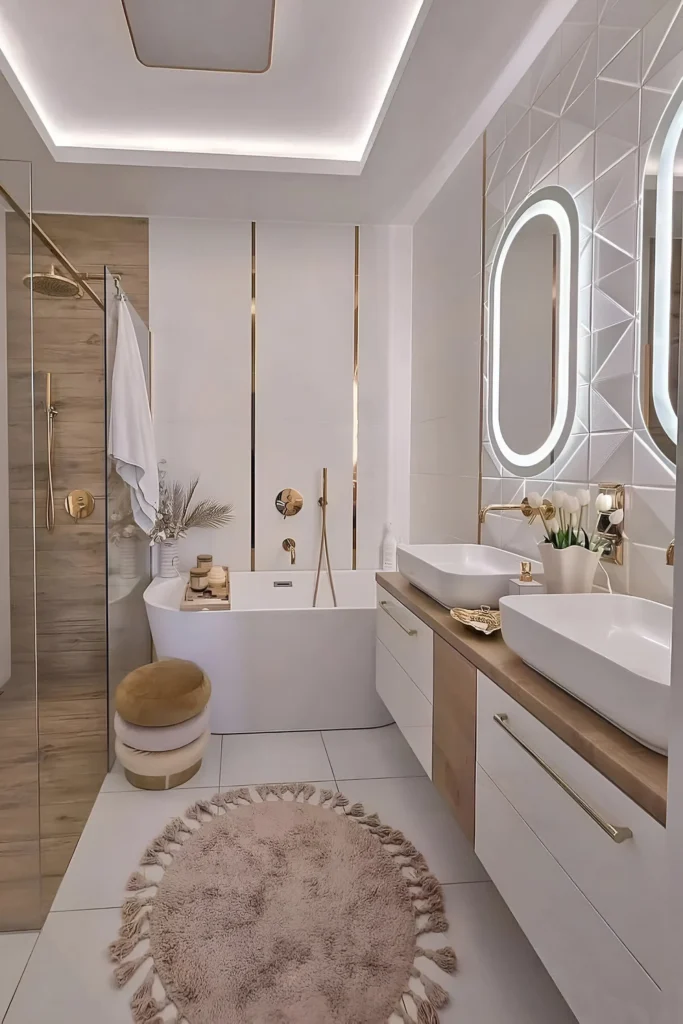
{"points": [[547, 510], [671, 553], [290, 545]]}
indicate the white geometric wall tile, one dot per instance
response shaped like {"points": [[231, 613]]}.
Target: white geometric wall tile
{"points": [[608, 258], [491, 490], [577, 121], [493, 232], [540, 122], [549, 101], [491, 531], [495, 169], [656, 30], [652, 514], [652, 105], [548, 64], [607, 312], [516, 142], [495, 133], [613, 351], [514, 489], [611, 40], [579, 73], [616, 188], [649, 575], [617, 394], [572, 462], [585, 309], [490, 466], [609, 97], [517, 184], [656, 58], [584, 204], [577, 172], [621, 286], [626, 68], [580, 24], [611, 457], [581, 423], [668, 77], [495, 202], [618, 135], [544, 156], [583, 355], [519, 536], [651, 469], [621, 231], [629, 13], [603, 415]]}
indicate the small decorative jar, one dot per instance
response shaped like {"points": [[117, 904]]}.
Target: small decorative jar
{"points": [[204, 562], [168, 560], [217, 577], [199, 579]]}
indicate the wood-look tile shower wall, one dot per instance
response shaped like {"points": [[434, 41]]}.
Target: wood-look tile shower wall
{"points": [[71, 561]]}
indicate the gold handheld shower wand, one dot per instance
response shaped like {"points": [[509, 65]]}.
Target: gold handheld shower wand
{"points": [[324, 548], [50, 413]]}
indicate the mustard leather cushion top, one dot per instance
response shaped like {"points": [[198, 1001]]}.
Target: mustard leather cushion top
{"points": [[163, 693]]}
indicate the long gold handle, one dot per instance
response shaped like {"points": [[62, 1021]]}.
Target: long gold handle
{"points": [[385, 605], [50, 413], [615, 832]]}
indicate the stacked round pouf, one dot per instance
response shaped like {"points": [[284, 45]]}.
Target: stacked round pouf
{"points": [[162, 723]]}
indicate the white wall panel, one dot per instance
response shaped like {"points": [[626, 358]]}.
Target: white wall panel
{"points": [[200, 317], [304, 382]]}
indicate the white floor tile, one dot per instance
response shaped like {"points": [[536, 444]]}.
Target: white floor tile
{"points": [[250, 759], [207, 776], [119, 828], [15, 949], [499, 976], [415, 807], [68, 979], [371, 754]]}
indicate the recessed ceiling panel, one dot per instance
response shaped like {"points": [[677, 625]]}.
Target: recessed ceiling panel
{"points": [[202, 35]]}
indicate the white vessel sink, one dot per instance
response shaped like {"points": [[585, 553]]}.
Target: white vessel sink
{"points": [[461, 575], [611, 651]]}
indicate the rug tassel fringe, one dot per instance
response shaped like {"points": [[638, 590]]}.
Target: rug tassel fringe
{"points": [[125, 972], [444, 958], [195, 812], [358, 811], [135, 929], [368, 819], [325, 795], [143, 1005], [122, 948], [137, 882], [434, 923]]}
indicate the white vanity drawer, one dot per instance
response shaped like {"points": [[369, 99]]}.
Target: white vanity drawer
{"points": [[623, 880], [408, 639], [410, 708], [600, 980]]}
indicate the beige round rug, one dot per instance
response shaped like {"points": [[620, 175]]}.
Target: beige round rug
{"points": [[281, 905]]}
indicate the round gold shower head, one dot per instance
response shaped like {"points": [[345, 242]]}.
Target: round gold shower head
{"points": [[53, 285]]}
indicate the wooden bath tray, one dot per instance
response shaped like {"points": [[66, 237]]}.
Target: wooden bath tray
{"points": [[207, 600]]}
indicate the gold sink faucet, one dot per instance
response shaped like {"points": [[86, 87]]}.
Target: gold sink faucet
{"points": [[671, 553], [547, 510]]}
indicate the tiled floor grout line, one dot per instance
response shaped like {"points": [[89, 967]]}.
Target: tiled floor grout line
{"points": [[327, 754], [16, 987]]}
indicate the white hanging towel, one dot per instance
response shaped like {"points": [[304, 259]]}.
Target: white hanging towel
{"points": [[131, 433]]}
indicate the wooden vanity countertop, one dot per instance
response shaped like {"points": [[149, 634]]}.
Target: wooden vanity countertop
{"points": [[639, 772]]}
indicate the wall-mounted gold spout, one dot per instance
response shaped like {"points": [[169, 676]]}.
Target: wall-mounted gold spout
{"points": [[290, 545], [547, 510], [671, 553]]}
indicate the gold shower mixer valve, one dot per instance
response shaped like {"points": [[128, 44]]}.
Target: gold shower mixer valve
{"points": [[79, 504]]}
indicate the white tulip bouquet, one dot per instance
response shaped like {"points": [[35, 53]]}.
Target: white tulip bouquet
{"points": [[569, 527]]}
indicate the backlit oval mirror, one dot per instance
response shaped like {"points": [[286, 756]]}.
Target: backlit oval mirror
{"points": [[533, 296], [661, 275]]}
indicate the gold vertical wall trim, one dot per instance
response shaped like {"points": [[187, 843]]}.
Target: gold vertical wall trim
{"points": [[253, 396], [356, 261], [482, 328]]}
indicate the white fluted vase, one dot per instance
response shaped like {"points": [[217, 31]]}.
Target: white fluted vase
{"points": [[168, 558], [568, 570]]}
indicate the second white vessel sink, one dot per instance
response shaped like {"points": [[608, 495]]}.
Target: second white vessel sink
{"points": [[461, 575], [611, 651]]}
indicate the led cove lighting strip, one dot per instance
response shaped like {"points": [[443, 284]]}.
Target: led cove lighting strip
{"points": [[15, 57], [556, 211], [661, 321]]}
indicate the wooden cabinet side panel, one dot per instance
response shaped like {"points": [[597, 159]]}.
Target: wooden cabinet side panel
{"points": [[455, 731]]}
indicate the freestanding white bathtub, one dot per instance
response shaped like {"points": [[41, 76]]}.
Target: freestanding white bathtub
{"points": [[277, 664]]}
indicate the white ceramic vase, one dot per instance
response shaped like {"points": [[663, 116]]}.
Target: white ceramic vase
{"points": [[128, 549], [568, 570], [168, 560]]}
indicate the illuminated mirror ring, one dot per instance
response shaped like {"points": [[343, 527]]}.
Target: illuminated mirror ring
{"points": [[662, 158], [557, 203]]}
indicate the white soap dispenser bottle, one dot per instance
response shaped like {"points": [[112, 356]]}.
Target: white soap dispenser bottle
{"points": [[388, 549]]}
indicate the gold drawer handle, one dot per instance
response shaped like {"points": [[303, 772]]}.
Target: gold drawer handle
{"points": [[618, 834], [411, 632]]}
